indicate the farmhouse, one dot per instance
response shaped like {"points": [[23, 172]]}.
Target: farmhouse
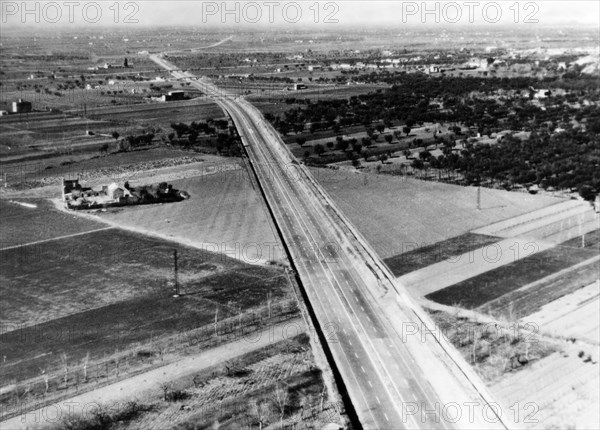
{"points": [[21, 106], [299, 87], [114, 192], [173, 95], [77, 197]]}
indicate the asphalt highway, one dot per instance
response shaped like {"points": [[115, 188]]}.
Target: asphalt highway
{"points": [[397, 377]]}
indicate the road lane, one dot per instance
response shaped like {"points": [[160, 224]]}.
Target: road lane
{"points": [[382, 369]]}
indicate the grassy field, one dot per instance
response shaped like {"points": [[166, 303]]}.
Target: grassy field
{"points": [[493, 351], [105, 298], [225, 213], [479, 290], [117, 165], [522, 302], [160, 114], [590, 240], [110, 266], [230, 395], [400, 214], [427, 255], [561, 391], [21, 225]]}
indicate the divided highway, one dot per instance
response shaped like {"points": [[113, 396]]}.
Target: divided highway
{"points": [[399, 373]]}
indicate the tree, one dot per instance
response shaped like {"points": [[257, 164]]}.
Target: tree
{"points": [[123, 146], [418, 164], [425, 155], [587, 193], [125, 63], [192, 137], [104, 148], [319, 149], [406, 129], [301, 140], [388, 138], [380, 128], [115, 135], [261, 411], [65, 362], [86, 360], [342, 144], [383, 158], [281, 399]]}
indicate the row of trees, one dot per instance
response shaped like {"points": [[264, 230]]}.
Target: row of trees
{"points": [[444, 99], [569, 160], [563, 151]]}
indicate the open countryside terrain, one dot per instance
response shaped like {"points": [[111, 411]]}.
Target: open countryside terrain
{"points": [[43, 223], [225, 214], [88, 312], [398, 214], [128, 277]]}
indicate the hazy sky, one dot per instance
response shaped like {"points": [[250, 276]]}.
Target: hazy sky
{"points": [[30, 14]]}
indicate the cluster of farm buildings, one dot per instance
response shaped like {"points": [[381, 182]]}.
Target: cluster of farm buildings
{"points": [[75, 196]]}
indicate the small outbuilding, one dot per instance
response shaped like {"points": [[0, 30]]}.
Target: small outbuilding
{"points": [[114, 191]]}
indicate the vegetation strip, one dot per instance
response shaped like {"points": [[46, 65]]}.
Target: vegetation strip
{"points": [[479, 290], [430, 254]]}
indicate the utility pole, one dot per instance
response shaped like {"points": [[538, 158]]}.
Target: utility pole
{"points": [[175, 274]]}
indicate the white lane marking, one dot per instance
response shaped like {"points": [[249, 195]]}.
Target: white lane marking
{"points": [[350, 342], [355, 354], [378, 401], [370, 385], [363, 369], [386, 417], [413, 396]]}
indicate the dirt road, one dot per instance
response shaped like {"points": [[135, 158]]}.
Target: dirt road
{"points": [[147, 384]]}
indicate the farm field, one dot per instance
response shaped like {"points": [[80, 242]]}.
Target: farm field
{"points": [[21, 225], [533, 297], [224, 214], [223, 385], [229, 398], [572, 316], [161, 114], [555, 392], [398, 214], [114, 266], [589, 240], [419, 258], [495, 352], [114, 299], [548, 383], [113, 167], [41, 135], [482, 289]]}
